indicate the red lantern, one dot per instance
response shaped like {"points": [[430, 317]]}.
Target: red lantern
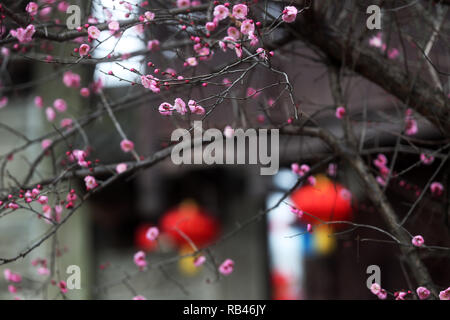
{"points": [[326, 200], [140, 239], [190, 220]]}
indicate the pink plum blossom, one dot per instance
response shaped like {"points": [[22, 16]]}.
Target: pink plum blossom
{"points": [[183, 3], [152, 233], [240, 11], [62, 286], [195, 108], [445, 294], [153, 45], [84, 92], [375, 288], [126, 145], [221, 12], [90, 182], [3, 102], [66, 123], [332, 169], [58, 212], [165, 109], [340, 112], [192, 61], [200, 260], [423, 293], [426, 158], [121, 167], [234, 33], [50, 113], [247, 27], [113, 26], [46, 143], [180, 106], [300, 170], [38, 102], [43, 271], [139, 259], [393, 53], [60, 105], [32, 8], [228, 132], [410, 124], [84, 50], [24, 35], [401, 295], [376, 41], [62, 6], [11, 276], [150, 82], [93, 32], [227, 267], [71, 80], [149, 16], [417, 241], [5, 51], [210, 26], [289, 14]]}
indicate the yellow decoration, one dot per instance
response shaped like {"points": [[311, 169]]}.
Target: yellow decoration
{"points": [[186, 264], [323, 239]]}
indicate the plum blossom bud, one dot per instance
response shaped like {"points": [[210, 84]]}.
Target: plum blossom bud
{"points": [[46, 143], [340, 112], [437, 188], [38, 102], [62, 286], [199, 261]]}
